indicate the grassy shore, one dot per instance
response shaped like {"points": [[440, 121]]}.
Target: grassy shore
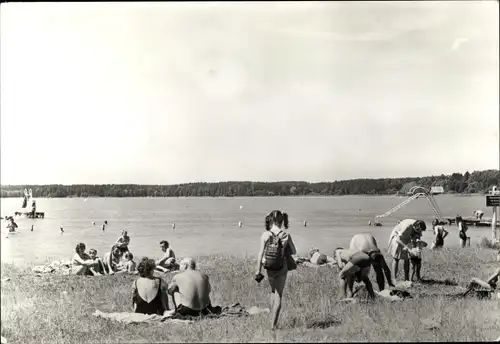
{"points": [[58, 309]]}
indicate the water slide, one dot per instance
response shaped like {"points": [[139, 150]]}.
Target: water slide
{"points": [[415, 192]]}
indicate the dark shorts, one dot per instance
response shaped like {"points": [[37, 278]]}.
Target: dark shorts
{"points": [[186, 311], [416, 261]]}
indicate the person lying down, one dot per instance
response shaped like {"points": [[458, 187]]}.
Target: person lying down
{"points": [[315, 258]]}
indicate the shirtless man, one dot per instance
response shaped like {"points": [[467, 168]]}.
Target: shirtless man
{"points": [[366, 243], [354, 266], [190, 291], [166, 263]]}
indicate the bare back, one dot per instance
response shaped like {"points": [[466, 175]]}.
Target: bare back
{"points": [[363, 243], [193, 289]]}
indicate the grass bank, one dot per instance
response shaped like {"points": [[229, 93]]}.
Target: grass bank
{"points": [[57, 309]]}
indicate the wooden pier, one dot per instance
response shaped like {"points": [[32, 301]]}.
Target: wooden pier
{"points": [[472, 221], [30, 214]]}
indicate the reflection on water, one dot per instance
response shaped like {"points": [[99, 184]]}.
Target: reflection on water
{"points": [[210, 225]]}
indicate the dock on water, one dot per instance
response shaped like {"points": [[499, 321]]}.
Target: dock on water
{"points": [[30, 214], [473, 222]]}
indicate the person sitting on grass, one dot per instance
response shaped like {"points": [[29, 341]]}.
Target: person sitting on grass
{"points": [[416, 245], [366, 243], [130, 265], [81, 263], [354, 266], [149, 293], [489, 285], [112, 259], [98, 269], [167, 263], [190, 291]]}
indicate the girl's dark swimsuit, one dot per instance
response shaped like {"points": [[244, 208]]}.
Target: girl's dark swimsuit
{"points": [[153, 307]]}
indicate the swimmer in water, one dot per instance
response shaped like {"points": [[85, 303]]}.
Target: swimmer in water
{"points": [[173, 225], [32, 228], [62, 230], [240, 224], [103, 227]]}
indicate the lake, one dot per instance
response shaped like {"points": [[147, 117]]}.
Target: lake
{"points": [[210, 225]]}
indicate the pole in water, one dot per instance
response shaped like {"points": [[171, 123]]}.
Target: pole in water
{"points": [[103, 227], [173, 225], [32, 228], [305, 223], [240, 224]]}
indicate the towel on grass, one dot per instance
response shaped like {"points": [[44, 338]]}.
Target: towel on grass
{"points": [[171, 317], [59, 267]]}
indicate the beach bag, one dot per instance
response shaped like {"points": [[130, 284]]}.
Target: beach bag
{"points": [[274, 253]]}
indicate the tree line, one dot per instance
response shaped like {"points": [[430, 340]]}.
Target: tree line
{"points": [[475, 182]]}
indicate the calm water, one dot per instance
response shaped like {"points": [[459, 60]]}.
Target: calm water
{"points": [[210, 225]]}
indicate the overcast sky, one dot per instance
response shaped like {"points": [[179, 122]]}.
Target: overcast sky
{"points": [[165, 93]]}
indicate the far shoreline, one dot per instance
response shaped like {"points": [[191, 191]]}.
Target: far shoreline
{"points": [[275, 196]]}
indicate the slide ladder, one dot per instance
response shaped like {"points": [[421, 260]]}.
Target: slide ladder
{"points": [[415, 192]]}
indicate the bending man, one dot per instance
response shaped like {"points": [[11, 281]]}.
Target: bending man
{"points": [[354, 266], [366, 243]]}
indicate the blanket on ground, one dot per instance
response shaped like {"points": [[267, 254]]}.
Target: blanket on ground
{"points": [[60, 267], [170, 316]]}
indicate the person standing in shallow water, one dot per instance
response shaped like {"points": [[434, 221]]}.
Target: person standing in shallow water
{"points": [[275, 244], [439, 234]]}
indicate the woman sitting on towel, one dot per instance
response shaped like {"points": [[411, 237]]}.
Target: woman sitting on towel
{"points": [[111, 260], [150, 293], [82, 264]]}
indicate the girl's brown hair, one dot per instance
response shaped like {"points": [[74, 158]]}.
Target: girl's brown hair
{"points": [[277, 217]]}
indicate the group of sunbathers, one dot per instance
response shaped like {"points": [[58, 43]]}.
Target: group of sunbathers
{"points": [[189, 290], [118, 260]]}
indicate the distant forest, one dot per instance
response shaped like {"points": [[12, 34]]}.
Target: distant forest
{"points": [[475, 182]]}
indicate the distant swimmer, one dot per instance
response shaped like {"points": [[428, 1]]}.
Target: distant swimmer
{"points": [[305, 223], [32, 228], [173, 225], [241, 207], [62, 230], [240, 224], [93, 223], [103, 227], [478, 214]]}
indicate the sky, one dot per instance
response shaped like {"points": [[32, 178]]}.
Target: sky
{"points": [[166, 93]]}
